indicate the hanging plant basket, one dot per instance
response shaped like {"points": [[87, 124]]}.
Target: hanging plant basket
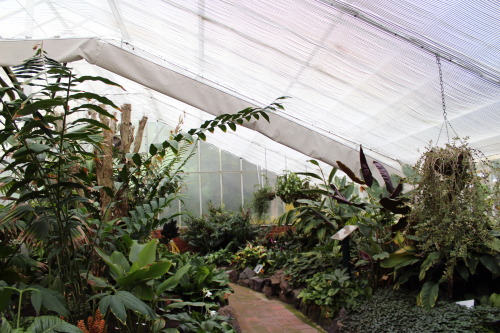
{"points": [[453, 202]]}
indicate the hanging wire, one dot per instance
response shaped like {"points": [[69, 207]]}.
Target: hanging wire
{"points": [[446, 122]]}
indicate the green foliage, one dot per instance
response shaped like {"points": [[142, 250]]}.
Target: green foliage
{"points": [[451, 209], [333, 290], [250, 256], [199, 322], [262, 200], [42, 324], [219, 229], [219, 258], [304, 265], [392, 311], [288, 187]]}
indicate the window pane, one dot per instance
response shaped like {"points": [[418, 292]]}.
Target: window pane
{"points": [[231, 185], [191, 197], [209, 158], [230, 162], [210, 190]]}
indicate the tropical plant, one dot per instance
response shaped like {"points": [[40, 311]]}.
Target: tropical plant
{"points": [[334, 289], [288, 187], [250, 256], [304, 265], [46, 147]]}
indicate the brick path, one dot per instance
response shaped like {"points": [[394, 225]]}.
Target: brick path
{"points": [[257, 314]]}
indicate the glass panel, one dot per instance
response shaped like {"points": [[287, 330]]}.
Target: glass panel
{"points": [[231, 185], [192, 163], [191, 196], [250, 185], [209, 158], [247, 166], [230, 162], [210, 190]]}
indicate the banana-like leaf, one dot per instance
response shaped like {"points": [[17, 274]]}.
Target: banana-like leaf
{"points": [[431, 259], [385, 175], [365, 169], [172, 281], [350, 173], [428, 295], [142, 255], [149, 272], [397, 191]]}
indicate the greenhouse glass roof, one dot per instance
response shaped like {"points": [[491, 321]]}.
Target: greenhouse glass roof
{"points": [[357, 72]]}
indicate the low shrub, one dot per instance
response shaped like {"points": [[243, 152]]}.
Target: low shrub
{"points": [[393, 311], [220, 229], [335, 289], [250, 256]]}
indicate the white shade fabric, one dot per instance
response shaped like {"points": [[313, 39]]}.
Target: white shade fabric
{"points": [[357, 72]]}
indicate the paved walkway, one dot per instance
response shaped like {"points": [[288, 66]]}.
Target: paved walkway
{"points": [[257, 314]]}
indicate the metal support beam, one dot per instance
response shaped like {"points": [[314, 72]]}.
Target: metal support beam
{"points": [[119, 20]]}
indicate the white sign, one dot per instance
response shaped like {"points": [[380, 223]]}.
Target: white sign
{"points": [[258, 268], [344, 232], [468, 304]]}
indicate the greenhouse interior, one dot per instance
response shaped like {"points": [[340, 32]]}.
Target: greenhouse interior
{"points": [[249, 166]]}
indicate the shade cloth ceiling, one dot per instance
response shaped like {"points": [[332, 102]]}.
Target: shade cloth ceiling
{"points": [[357, 72]]}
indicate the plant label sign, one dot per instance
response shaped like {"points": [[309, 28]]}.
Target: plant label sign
{"points": [[468, 303], [258, 268]]}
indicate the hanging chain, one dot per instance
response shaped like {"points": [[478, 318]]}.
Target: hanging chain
{"points": [[446, 122], [441, 83], [443, 104]]}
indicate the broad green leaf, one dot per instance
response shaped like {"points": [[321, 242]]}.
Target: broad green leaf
{"points": [[118, 308], [91, 122], [116, 270], [146, 255], [99, 98], [144, 292], [95, 281], [36, 148], [172, 281], [428, 295], [5, 327], [431, 259], [84, 78], [137, 159], [143, 274], [119, 259], [133, 303], [491, 263], [396, 259], [52, 324], [180, 305], [52, 300], [39, 105], [380, 256]]}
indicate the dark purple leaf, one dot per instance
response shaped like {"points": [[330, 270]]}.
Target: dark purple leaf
{"points": [[365, 169], [364, 255], [385, 174], [402, 223], [347, 202], [337, 192], [394, 206], [350, 173], [397, 191]]}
